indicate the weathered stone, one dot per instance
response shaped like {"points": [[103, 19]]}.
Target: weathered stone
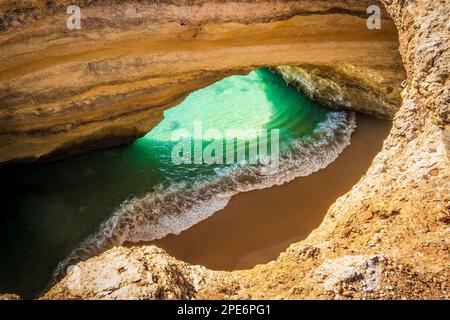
{"points": [[63, 92], [413, 240], [374, 90]]}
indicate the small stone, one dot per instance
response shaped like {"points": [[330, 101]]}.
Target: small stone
{"points": [[347, 294]]}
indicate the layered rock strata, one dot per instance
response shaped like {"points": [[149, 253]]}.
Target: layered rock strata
{"points": [[67, 91], [387, 238], [373, 90]]}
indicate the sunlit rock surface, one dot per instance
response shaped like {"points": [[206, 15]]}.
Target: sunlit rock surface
{"points": [[63, 92], [373, 90], [391, 230]]}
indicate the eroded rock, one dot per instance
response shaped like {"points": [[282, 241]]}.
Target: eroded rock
{"points": [[399, 202], [64, 92]]}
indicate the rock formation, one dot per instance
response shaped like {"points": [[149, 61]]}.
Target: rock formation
{"points": [[67, 91], [387, 238], [373, 90]]}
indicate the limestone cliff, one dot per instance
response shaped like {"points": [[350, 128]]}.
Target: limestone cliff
{"points": [[387, 238], [66, 91], [373, 90]]}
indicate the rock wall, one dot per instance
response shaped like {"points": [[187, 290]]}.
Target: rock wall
{"points": [[63, 92], [388, 238], [373, 90]]}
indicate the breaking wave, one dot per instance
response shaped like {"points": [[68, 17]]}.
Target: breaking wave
{"points": [[172, 209]]}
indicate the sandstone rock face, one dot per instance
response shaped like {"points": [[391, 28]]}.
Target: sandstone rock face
{"points": [[334, 273], [134, 273], [372, 90], [9, 297], [387, 238], [65, 91]]}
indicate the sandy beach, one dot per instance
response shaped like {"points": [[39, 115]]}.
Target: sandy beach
{"points": [[257, 226]]}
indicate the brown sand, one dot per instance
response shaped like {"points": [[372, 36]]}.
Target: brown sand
{"points": [[257, 226]]}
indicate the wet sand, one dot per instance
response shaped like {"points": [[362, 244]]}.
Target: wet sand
{"points": [[257, 226]]}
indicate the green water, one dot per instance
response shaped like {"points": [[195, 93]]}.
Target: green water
{"points": [[103, 198]]}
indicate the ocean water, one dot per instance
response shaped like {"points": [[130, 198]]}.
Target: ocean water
{"points": [[56, 214]]}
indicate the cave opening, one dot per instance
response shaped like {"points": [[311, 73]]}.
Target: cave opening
{"points": [[225, 216]]}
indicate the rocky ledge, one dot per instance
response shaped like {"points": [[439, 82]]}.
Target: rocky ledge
{"points": [[387, 238]]}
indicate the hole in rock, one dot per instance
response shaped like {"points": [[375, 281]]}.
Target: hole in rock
{"points": [[226, 216]]}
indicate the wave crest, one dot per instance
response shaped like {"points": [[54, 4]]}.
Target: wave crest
{"points": [[176, 208]]}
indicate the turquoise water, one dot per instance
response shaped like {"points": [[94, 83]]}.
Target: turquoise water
{"points": [[55, 214]]}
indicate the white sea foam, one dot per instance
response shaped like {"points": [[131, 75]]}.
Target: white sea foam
{"points": [[176, 208]]}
